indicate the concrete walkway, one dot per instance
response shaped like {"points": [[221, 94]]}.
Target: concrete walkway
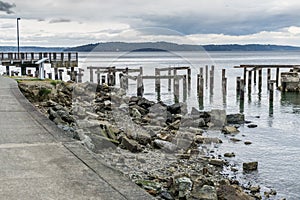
{"points": [[38, 162]]}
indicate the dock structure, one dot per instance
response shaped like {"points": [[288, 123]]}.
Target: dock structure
{"points": [[259, 68], [24, 60]]}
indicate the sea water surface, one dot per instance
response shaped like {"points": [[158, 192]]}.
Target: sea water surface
{"points": [[276, 140]]}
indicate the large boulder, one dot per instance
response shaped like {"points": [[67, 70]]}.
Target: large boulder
{"points": [[250, 166], [218, 118], [206, 192], [236, 118]]}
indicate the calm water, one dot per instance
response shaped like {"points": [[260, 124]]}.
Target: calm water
{"points": [[276, 140]]}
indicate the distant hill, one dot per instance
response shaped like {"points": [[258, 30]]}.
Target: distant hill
{"points": [[31, 49], [165, 46], [151, 46]]}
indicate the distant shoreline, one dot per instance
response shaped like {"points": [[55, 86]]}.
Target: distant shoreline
{"points": [[153, 47]]}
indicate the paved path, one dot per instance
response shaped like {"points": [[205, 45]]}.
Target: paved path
{"points": [[38, 162]]}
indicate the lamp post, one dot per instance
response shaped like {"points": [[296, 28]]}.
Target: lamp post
{"points": [[18, 39]]}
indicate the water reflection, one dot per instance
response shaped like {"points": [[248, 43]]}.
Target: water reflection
{"points": [[291, 99]]}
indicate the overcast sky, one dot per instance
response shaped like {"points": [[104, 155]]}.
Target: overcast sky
{"points": [[78, 22]]}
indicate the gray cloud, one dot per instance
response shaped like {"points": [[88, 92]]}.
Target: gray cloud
{"points": [[61, 20], [6, 7]]}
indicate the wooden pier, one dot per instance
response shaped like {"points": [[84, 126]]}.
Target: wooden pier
{"points": [[30, 59]]}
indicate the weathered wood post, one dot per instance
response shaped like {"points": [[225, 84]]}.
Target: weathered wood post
{"points": [[200, 83], [249, 81], [242, 89], [268, 77], [224, 82], [55, 73], [98, 76], [212, 80], [121, 80], [60, 74], [140, 86], [169, 80], [245, 73], [254, 76], [157, 80], [113, 69], [49, 75], [271, 91], [141, 70], [184, 87], [7, 71], [189, 77], [277, 77], [206, 76], [176, 89], [103, 79], [80, 74], [91, 75], [73, 77], [238, 85], [259, 79]]}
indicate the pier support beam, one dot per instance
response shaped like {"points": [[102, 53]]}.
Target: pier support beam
{"points": [[277, 77], [238, 85], [169, 80], [268, 77], [249, 81], [259, 79], [140, 86]]}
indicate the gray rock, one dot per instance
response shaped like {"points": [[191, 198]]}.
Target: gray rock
{"points": [[135, 113], [165, 145], [207, 192], [236, 118], [174, 109], [229, 155], [230, 130], [250, 166], [218, 118], [216, 162], [184, 186], [131, 145]]}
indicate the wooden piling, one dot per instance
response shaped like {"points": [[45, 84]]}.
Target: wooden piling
{"points": [[249, 81], [254, 78], [157, 80], [169, 80], [184, 87], [189, 77], [103, 79], [55, 73], [80, 74], [126, 78], [224, 82], [245, 74], [242, 89], [140, 86], [60, 74], [259, 79], [91, 75], [98, 76], [271, 91], [211, 79], [206, 76], [176, 89], [238, 85], [268, 77], [277, 77], [121, 77]]}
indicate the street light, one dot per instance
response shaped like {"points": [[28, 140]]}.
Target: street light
{"points": [[18, 37]]}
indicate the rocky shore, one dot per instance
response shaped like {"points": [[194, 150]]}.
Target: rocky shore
{"points": [[162, 148]]}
